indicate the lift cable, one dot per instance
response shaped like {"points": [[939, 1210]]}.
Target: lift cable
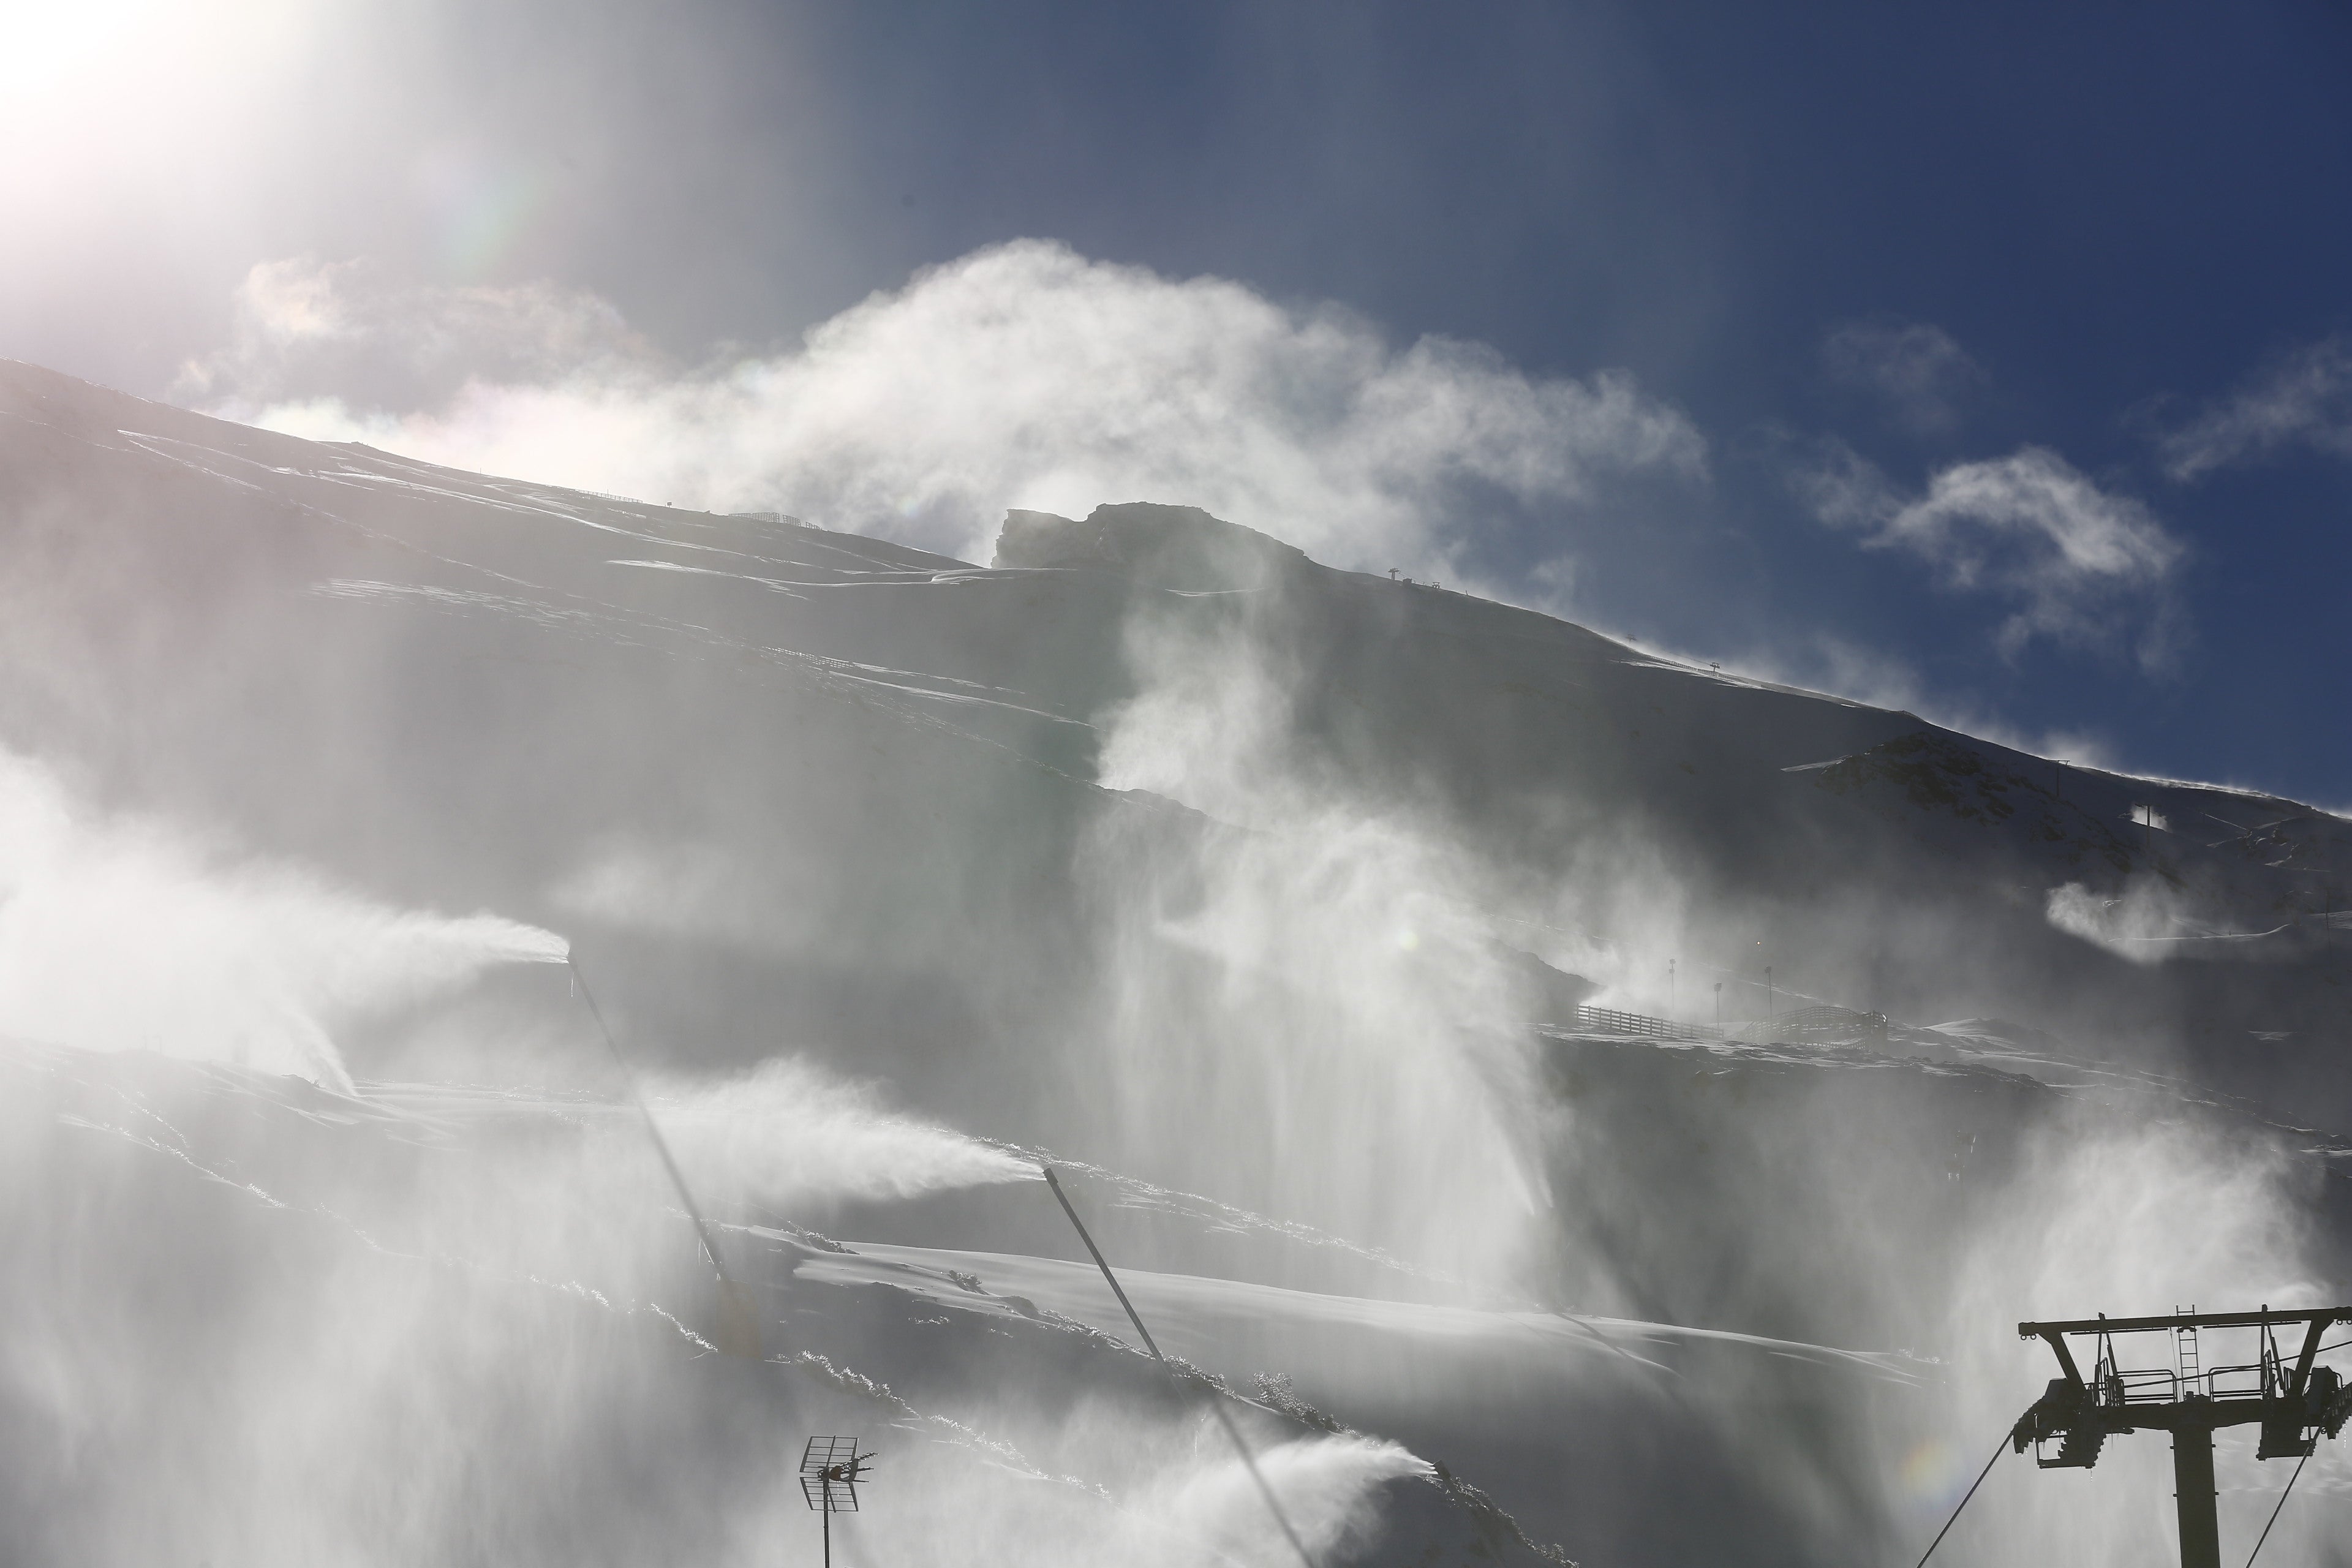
{"points": [[1216, 1405], [2257, 1551], [1964, 1501]]}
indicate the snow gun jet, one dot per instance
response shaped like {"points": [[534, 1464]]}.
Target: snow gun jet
{"points": [[2294, 1402]]}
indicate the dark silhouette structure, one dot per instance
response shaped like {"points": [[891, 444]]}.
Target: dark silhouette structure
{"points": [[2293, 1400], [831, 1468]]}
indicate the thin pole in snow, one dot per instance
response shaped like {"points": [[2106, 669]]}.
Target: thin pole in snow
{"points": [[738, 1332], [1272, 1504], [653, 1127]]}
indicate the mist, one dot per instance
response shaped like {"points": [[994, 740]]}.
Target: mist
{"points": [[129, 934], [1564, 1100], [785, 1133]]}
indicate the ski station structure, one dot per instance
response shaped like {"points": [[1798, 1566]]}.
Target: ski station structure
{"points": [[2293, 1401]]}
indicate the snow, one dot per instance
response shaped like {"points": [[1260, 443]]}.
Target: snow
{"points": [[861, 902]]}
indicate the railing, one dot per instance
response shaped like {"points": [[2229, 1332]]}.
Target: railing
{"points": [[1608, 1020], [2161, 1385], [2157, 1386], [2236, 1382], [1804, 1023]]}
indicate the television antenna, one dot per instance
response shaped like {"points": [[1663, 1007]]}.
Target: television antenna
{"points": [[831, 1468], [2293, 1400]]}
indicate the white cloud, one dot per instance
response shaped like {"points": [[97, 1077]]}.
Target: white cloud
{"points": [[2304, 398], [344, 333], [2078, 563], [1917, 369], [1021, 376]]}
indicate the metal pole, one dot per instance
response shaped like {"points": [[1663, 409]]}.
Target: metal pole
{"points": [[653, 1127], [2192, 1490], [737, 1330], [1216, 1405]]}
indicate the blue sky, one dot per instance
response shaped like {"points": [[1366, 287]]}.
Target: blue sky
{"points": [[1990, 360]]}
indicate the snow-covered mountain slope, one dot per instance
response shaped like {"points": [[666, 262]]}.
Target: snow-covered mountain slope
{"points": [[1262, 897]]}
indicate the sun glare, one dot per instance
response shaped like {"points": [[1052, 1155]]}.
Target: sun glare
{"points": [[52, 44], [93, 85]]}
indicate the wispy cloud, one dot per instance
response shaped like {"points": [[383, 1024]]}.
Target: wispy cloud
{"points": [[2079, 564], [1023, 374], [1915, 368], [307, 332], [2300, 399]]}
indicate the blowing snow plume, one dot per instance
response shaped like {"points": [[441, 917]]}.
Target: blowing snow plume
{"points": [[1307, 1011], [786, 1131], [121, 934]]}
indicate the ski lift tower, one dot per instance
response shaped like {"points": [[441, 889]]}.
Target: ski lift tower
{"points": [[2293, 1400], [831, 1468]]}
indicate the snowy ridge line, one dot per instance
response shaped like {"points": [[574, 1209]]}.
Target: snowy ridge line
{"points": [[561, 502], [489, 493], [2091, 1078], [880, 577], [1492, 1515], [1152, 1198], [926, 1270], [832, 675], [623, 627]]}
